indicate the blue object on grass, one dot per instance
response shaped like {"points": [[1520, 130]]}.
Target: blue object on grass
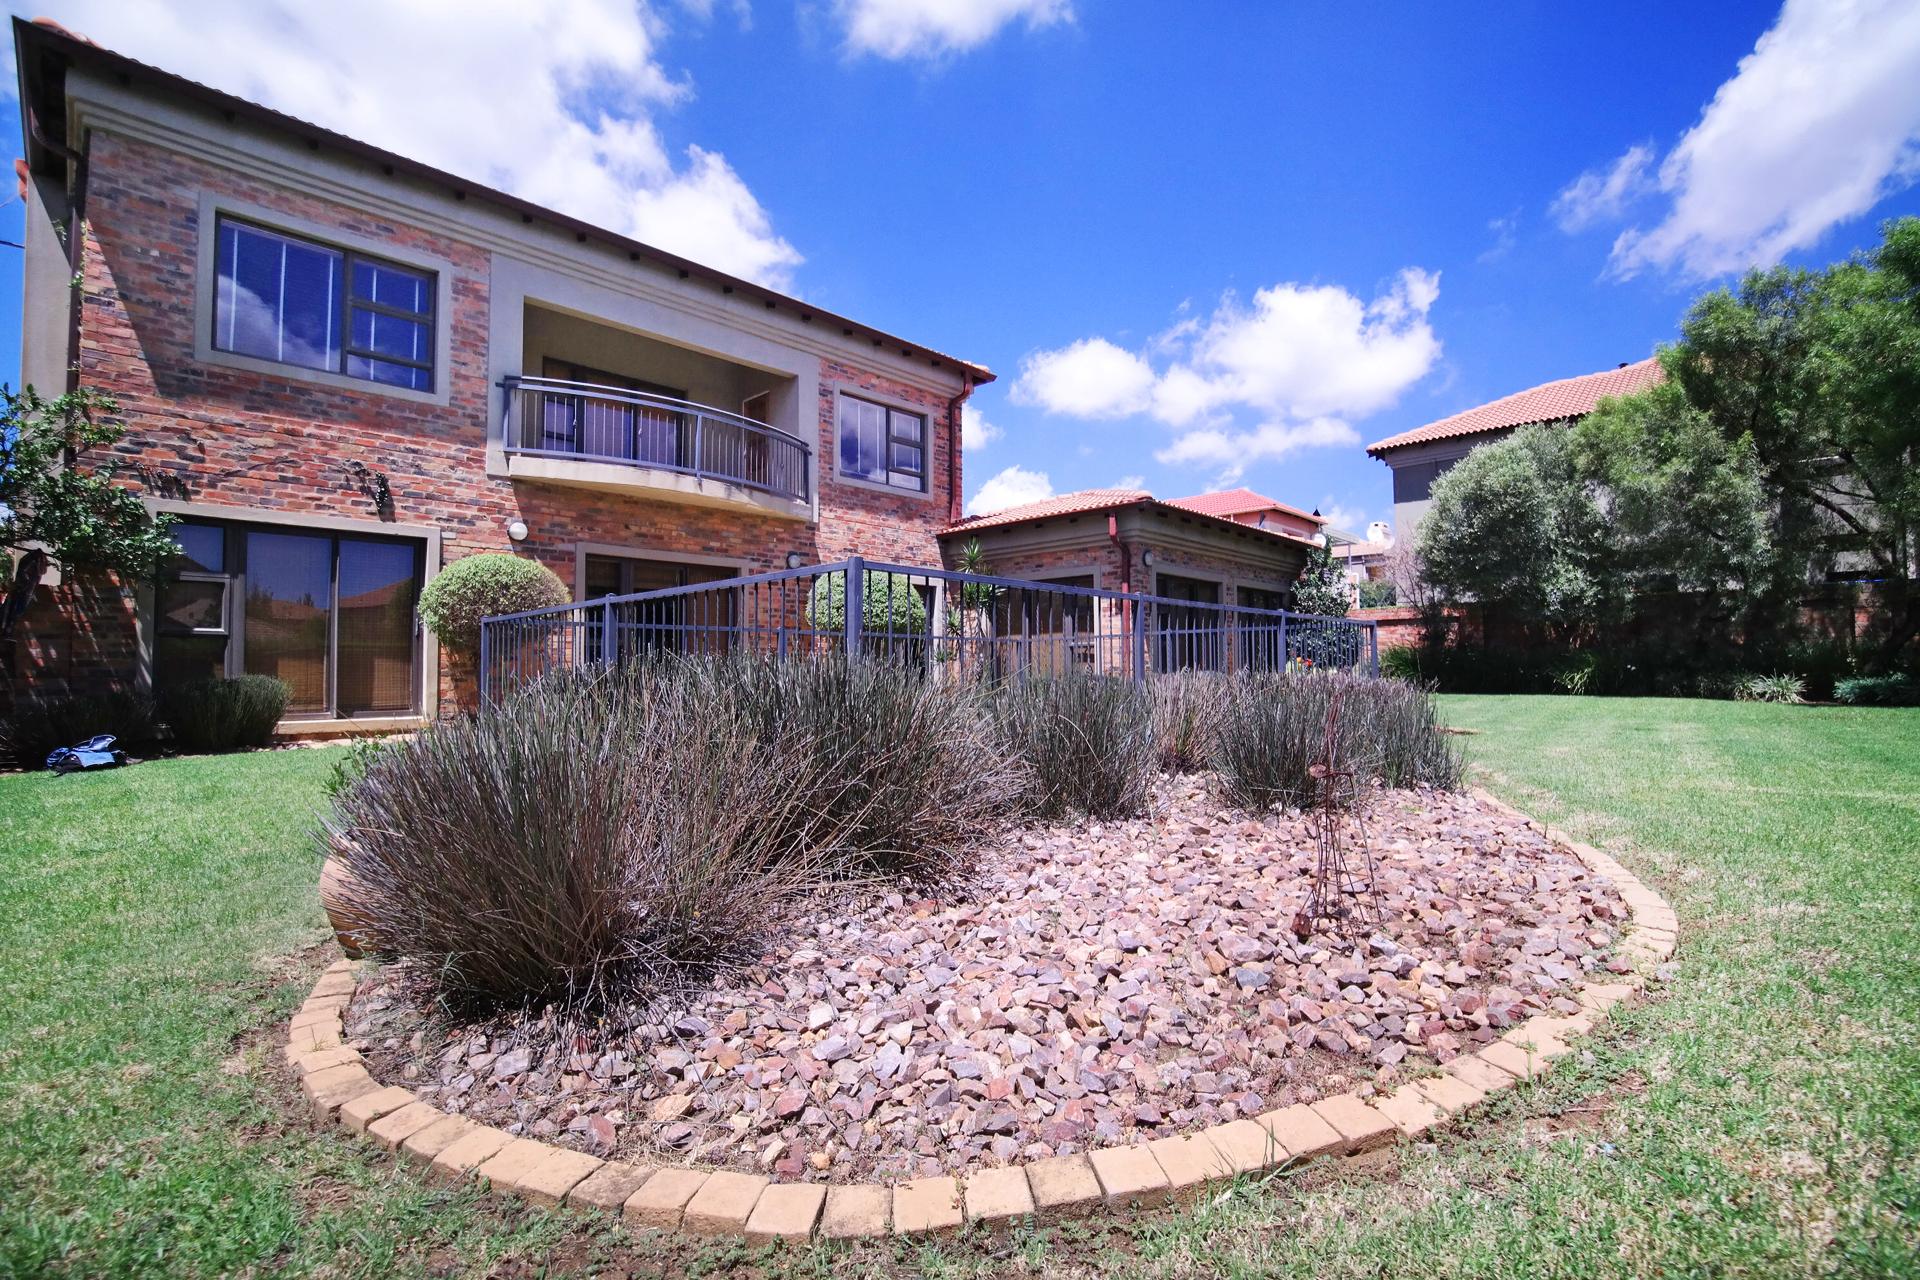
{"points": [[97, 752]]}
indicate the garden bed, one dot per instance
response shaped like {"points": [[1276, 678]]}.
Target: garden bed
{"points": [[1092, 983]]}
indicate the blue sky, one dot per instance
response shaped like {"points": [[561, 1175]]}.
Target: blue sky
{"points": [[1197, 253]]}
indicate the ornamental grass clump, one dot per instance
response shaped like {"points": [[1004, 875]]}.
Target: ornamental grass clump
{"points": [[1186, 716], [574, 842], [614, 835], [1272, 731], [1087, 741], [906, 772]]}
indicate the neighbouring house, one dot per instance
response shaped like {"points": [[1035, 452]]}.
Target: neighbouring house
{"points": [[1362, 559], [341, 369], [1128, 540], [1244, 506], [1424, 454]]}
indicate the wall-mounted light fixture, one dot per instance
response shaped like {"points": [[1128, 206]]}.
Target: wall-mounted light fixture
{"points": [[517, 530], [1146, 558], [795, 559]]}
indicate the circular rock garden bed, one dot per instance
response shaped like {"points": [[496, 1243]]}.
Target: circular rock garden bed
{"points": [[1091, 984]]}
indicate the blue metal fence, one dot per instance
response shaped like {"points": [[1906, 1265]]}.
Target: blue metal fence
{"points": [[955, 623]]}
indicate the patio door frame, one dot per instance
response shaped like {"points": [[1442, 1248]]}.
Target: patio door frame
{"points": [[234, 527]]}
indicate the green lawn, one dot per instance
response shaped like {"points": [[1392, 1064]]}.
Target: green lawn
{"points": [[1761, 1117]]}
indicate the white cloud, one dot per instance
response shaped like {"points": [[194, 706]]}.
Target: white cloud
{"points": [[1091, 378], [1255, 381], [1505, 236], [1308, 351], [1602, 195], [554, 101], [1131, 482], [976, 432], [933, 28], [1342, 517], [1233, 451], [1011, 488], [1818, 125]]}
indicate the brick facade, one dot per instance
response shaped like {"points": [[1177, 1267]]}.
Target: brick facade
{"points": [[209, 434]]}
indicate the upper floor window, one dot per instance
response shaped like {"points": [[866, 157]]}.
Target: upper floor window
{"points": [[883, 445], [294, 301]]}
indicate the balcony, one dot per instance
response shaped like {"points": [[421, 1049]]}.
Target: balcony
{"points": [[623, 440]]}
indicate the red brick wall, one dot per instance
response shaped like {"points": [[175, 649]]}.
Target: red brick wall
{"points": [[858, 520], [212, 434]]}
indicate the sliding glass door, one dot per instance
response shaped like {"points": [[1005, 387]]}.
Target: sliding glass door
{"points": [[289, 614], [333, 615], [379, 582]]}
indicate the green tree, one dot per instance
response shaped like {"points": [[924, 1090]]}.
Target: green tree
{"points": [[1797, 392], [1513, 527], [59, 500], [1323, 586], [1685, 503]]}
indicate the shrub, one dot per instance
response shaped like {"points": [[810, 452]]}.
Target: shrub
{"points": [[351, 767], [889, 602], [1575, 673], [483, 586], [37, 728], [1086, 739], [1273, 731], [1878, 691], [213, 716], [1402, 662], [1378, 593], [1186, 711], [1785, 687]]}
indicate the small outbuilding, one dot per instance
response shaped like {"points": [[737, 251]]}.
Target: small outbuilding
{"points": [[1128, 540]]}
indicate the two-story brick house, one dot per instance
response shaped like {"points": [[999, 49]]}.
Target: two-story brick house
{"points": [[342, 369]]}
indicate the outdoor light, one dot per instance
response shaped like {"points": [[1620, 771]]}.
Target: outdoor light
{"points": [[795, 559], [1146, 558], [517, 530]]}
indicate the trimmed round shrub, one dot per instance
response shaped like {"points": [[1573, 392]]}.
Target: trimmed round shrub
{"points": [[208, 717], [483, 586], [37, 728], [889, 602]]}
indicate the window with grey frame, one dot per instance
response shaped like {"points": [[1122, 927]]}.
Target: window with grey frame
{"points": [[333, 615], [882, 445], [311, 305]]}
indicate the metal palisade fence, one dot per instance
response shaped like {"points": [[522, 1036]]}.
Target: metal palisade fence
{"points": [[960, 624]]}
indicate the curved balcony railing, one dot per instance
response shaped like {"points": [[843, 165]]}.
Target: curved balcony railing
{"points": [[586, 422]]}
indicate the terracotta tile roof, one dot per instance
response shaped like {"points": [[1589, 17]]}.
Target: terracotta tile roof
{"points": [[1548, 402], [1089, 500], [1231, 502], [1063, 504]]}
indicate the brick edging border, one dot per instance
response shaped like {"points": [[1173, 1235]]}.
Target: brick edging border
{"points": [[703, 1202]]}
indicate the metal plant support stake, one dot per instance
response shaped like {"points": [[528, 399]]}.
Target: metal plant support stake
{"points": [[1343, 896]]}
